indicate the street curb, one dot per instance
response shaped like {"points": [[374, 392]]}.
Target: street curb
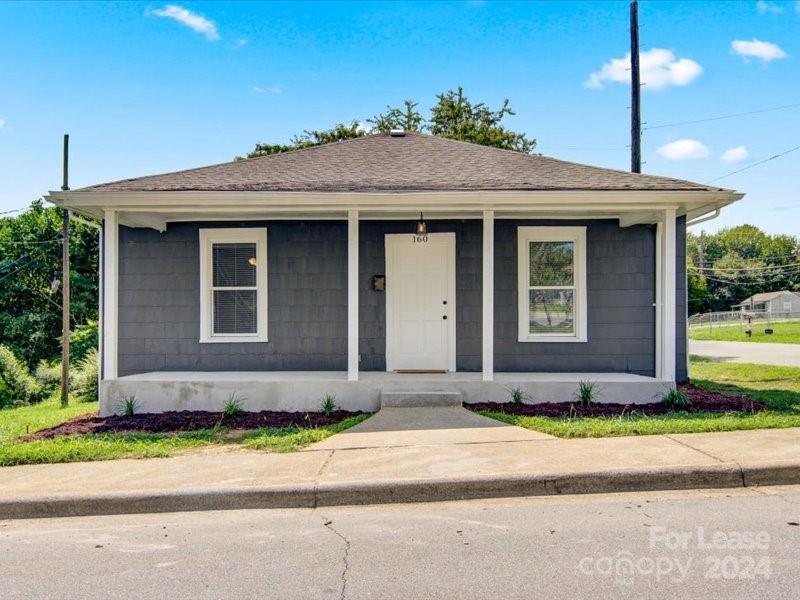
{"points": [[724, 475]]}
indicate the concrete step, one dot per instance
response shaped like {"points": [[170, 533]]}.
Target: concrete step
{"points": [[401, 399]]}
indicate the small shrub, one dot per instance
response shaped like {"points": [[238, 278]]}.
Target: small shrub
{"points": [[127, 406], [19, 387], [518, 396], [586, 393], [85, 376], [48, 374], [233, 406], [675, 398], [329, 406]]}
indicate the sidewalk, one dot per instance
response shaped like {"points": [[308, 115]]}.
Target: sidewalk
{"points": [[397, 458]]}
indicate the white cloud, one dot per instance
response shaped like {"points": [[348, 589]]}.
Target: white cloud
{"points": [[754, 48], [684, 149], [765, 7], [271, 90], [658, 68], [240, 42], [2, 123], [735, 155], [191, 20]]}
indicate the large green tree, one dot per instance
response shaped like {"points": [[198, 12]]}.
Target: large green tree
{"points": [[30, 274], [453, 116], [737, 262]]}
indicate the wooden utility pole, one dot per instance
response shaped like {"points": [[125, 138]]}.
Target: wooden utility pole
{"points": [[636, 119], [65, 283]]}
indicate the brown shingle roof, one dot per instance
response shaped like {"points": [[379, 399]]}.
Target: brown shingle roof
{"points": [[413, 162]]}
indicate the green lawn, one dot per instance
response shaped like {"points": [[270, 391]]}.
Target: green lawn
{"points": [[787, 332], [777, 387], [19, 421]]}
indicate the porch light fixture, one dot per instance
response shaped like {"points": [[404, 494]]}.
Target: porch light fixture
{"points": [[422, 228]]}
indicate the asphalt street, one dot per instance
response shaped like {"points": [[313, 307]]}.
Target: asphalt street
{"points": [[738, 543]]}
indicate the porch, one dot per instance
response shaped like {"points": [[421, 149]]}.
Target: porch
{"points": [[162, 391]]}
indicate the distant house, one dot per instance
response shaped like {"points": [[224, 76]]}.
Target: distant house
{"points": [[771, 302], [400, 262]]}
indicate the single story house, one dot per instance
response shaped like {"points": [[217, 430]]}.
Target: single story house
{"points": [[398, 261], [777, 303]]}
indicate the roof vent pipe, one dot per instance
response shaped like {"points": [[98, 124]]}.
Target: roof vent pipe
{"points": [[397, 132]]}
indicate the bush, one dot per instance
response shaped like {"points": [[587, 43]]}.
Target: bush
{"points": [[18, 386], [48, 374], [587, 393], [82, 340], [84, 378], [127, 406], [328, 405], [675, 398], [233, 406]]}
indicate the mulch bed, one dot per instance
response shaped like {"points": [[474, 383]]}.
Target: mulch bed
{"points": [[700, 401], [185, 420]]}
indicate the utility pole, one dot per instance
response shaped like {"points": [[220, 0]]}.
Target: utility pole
{"points": [[701, 251], [65, 283], [636, 119]]}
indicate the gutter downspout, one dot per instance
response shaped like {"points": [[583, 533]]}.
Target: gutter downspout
{"points": [[705, 218]]}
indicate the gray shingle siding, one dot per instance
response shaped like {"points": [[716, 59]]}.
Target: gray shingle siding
{"points": [[159, 309], [159, 302], [620, 278]]}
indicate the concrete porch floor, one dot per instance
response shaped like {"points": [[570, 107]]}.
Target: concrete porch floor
{"points": [[162, 391]]}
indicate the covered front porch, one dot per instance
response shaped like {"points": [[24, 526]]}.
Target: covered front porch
{"points": [[161, 391]]}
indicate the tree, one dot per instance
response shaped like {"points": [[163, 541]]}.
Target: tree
{"points": [[30, 270], [738, 262], [453, 116]]}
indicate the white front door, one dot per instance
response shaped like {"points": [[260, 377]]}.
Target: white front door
{"points": [[420, 302]]}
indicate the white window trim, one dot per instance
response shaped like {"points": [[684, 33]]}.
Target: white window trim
{"points": [[577, 235], [209, 237]]}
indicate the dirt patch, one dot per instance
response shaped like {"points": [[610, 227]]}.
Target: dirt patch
{"points": [[700, 401], [177, 421]]}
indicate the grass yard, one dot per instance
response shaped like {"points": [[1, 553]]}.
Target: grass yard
{"points": [[777, 387], [20, 421], [787, 332]]}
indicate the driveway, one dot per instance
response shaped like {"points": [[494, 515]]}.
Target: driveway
{"points": [[748, 352]]}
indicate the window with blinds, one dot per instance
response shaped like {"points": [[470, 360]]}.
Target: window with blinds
{"points": [[235, 292], [233, 274]]}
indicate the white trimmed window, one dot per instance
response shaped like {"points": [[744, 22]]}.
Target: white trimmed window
{"points": [[233, 285], [552, 284]]}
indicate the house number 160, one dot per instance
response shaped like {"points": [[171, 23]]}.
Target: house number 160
{"points": [[419, 239]]}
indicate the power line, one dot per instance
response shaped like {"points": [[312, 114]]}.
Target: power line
{"points": [[720, 117], [767, 268], [755, 164], [4, 242]]}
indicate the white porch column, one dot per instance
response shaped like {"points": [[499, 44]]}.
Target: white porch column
{"points": [[352, 295], [668, 290], [110, 287], [488, 296]]}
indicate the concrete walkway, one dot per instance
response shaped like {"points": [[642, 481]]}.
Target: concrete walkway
{"points": [[748, 352], [422, 456], [426, 426]]}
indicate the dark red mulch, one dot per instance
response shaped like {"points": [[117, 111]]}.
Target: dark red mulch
{"points": [[185, 420], [700, 401]]}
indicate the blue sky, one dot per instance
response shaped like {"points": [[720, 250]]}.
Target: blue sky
{"points": [[151, 87]]}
